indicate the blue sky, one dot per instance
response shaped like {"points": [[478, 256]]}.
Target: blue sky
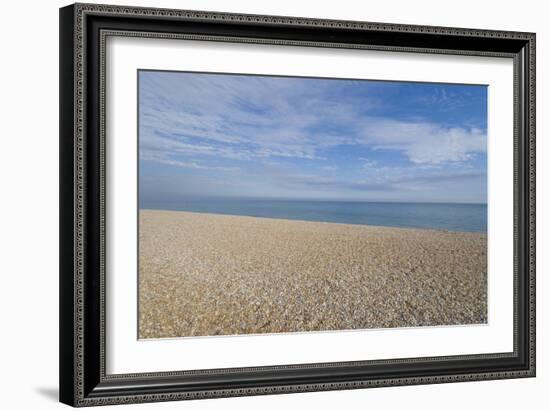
{"points": [[204, 135]]}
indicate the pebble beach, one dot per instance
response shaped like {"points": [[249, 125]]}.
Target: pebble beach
{"points": [[210, 274]]}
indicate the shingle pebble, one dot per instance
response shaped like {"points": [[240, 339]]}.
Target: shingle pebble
{"points": [[208, 274]]}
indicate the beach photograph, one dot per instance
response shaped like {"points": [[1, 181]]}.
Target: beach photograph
{"points": [[277, 204]]}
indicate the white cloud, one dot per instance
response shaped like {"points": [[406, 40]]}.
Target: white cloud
{"points": [[368, 163], [423, 142], [248, 118]]}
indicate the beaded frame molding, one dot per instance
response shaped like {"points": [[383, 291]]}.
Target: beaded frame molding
{"points": [[84, 29]]}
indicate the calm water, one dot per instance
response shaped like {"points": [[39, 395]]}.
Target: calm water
{"points": [[453, 217]]}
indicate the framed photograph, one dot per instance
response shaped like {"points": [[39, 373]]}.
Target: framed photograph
{"points": [[261, 204]]}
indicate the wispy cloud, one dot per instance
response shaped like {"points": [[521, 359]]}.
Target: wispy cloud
{"points": [[163, 159], [230, 117], [388, 178], [282, 129]]}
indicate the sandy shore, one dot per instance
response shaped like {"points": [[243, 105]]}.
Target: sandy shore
{"points": [[211, 274]]}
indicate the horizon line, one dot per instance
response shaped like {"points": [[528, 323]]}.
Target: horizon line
{"points": [[207, 197]]}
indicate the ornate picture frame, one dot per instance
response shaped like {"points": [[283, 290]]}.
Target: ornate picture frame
{"points": [[84, 30]]}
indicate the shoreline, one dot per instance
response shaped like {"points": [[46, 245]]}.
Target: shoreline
{"points": [[312, 221], [204, 274]]}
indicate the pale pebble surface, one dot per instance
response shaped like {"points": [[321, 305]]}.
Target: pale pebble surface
{"points": [[211, 274]]}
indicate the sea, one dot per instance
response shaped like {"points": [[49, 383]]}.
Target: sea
{"points": [[439, 216]]}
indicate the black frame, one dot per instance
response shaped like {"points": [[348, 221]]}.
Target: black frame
{"points": [[83, 30]]}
